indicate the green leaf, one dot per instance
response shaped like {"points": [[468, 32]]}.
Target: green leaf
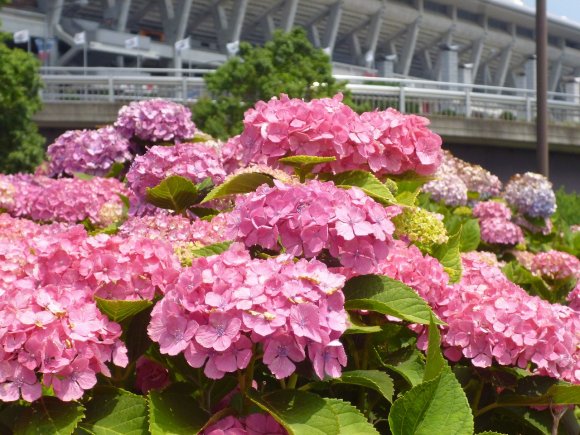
{"points": [[438, 406], [357, 327], [305, 164], [175, 411], [49, 416], [206, 184], [470, 235], [83, 176], [209, 250], [387, 296], [435, 361], [521, 276], [367, 182], [487, 432], [449, 256], [408, 198], [350, 420], [373, 379], [174, 193], [117, 310], [115, 170], [115, 411], [541, 391], [299, 412], [204, 212], [241, 183], [411, 368]]}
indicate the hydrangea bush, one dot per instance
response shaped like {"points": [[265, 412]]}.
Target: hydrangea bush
{"points": [[323, 272]]}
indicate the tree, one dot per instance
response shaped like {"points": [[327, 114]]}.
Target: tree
{"points": [[21, 146], [288, 64]]}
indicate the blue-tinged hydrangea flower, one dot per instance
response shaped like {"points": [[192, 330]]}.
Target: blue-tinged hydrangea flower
{"points": [[531, 194]]}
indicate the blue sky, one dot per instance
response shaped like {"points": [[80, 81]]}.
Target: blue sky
{"points": [[566, 8]]}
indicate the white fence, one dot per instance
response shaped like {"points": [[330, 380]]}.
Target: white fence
{"points": [[62, 84]]}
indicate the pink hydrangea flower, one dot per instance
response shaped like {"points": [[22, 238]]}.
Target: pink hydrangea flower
{"points": [[239, 303], [307, 219], [155, 120], [556, 265], [500, 231], [89, 151], [383, 142], [492, 209]]}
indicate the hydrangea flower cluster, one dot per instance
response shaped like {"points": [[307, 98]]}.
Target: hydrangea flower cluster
{"points": [[175, 229], [63, 200], [574, 298], [253, 424], [155, 120], [531, 194], [449, 189], [384, 142], [89, 151], [490, 318], [495, 225], [556, 265], [222, 306], [231, 154], [306, 219], [455, 178], [111, 267], [195, 161], [52, 333], [57, 334], [420, 227]]}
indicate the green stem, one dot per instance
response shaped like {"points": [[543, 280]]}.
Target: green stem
{"points": [[485, 409], [477, 398], [292, 381], [365, 357], [283, 383]]}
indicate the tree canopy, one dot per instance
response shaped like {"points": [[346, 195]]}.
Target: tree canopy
{"points": [[21, 146], [288, 63]]}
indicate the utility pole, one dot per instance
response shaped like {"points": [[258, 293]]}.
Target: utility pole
{"points": [[542, 149]]}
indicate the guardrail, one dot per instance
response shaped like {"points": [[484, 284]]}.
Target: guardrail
{"points": [[65, 84]]}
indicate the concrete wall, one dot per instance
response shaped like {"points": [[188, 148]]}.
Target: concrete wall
{"points": [[505, 162]]}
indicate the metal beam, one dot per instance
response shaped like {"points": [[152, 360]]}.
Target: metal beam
{"points": [[260, 19], [373, 34], [409, 48], [332, 25], [220, 20], [427, 62], [208, 12], [314, 35], [142, 13], [269, 26], [289, 15], [237, 19], [504, 63], [556, 73], [125, 6], [477, 51], [356, 51]]}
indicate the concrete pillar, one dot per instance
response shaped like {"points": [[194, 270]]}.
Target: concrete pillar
{"points": [[530, 72], [465, 73], [386, 66], [572, 87], [449, 63]]}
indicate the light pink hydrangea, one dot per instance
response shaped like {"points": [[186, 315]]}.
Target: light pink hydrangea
{"points": [[89, 151], [155, 120], [574, 298], [384, 142], [224, 305], [175, 229], [51, 332], [194, 161], [491, 209], [70, 200], [556, 265], [488, 317], [231, 154], [499, 231], [307, 219]]}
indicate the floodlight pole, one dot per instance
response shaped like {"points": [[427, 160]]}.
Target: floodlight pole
{"points": [[542, 149]]}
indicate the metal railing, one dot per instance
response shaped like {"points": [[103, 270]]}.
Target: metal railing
{"points": [[430, 98]]}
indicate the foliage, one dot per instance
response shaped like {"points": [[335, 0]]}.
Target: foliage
{"points": [[21, 146], [568, 207], [288, 64]]}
